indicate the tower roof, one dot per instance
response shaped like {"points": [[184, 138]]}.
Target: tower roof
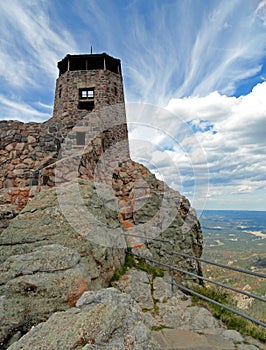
{"points": [[89, 62]]}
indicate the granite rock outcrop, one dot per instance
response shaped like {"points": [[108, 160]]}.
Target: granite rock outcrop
{"points": [[46, 265], [141, 312], [73, 238], [106, 319]]}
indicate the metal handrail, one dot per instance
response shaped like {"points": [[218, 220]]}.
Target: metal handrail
{"points": [[148, 238], [208, 280], [258, 322], [174, 268], [250, 295], [261, 275]]}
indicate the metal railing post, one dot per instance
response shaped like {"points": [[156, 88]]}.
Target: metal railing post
{"points": [[172, 270]]}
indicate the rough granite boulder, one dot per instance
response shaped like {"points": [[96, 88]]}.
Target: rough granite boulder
{"points": [[163, 307], [136, 283], [48, 279], [102, 320], [46, 263], [42, 222], [109, 319]]}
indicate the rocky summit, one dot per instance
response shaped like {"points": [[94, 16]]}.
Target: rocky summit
{"points": [[56, 277], [73, 208], [72, 239]]}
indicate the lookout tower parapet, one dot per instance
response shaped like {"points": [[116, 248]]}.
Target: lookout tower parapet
{"points": [[89, 62], [87, 83]]}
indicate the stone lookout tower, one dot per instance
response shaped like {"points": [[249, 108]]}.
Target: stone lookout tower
{"points": [[89, 104], [89, 121]]}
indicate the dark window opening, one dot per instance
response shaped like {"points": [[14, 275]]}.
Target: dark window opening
{"points": [[80, 137], [86, 99], [88, 105], [115, 89], [45, 179], [60, 92], [34, 178]]}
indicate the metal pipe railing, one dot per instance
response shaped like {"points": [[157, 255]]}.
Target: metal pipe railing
{"points": [[208, 280], [184, 255], [147, 238], [200, 295], [258, 322], [250, 295], [261, 275]]}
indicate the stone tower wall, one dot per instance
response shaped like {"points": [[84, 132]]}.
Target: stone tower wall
{"points": [[30, 152], [108, 90], [24, 149]]}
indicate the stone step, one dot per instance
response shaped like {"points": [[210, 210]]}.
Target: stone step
{"points": [[183, 339]]}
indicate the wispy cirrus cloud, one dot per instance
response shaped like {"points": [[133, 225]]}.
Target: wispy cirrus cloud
{"points": [[14, 110], [229, 46], [181, 48], [193, 57], [32, 41], [168, 49]]}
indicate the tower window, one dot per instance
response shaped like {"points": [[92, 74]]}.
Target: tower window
{"points": [[86, 99], [86, 93], [80, 137]]}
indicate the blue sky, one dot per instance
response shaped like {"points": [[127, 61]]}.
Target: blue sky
{"points": [[200, 65]]}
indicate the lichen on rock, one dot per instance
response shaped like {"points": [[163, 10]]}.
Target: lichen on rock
{"points": [[106, 319]]}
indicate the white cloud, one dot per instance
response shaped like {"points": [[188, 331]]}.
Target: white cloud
{"points": [[179, 49], [17, 110], [222, 135], [185, 56], [261, 11], [236, 143], [31, 43]]}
